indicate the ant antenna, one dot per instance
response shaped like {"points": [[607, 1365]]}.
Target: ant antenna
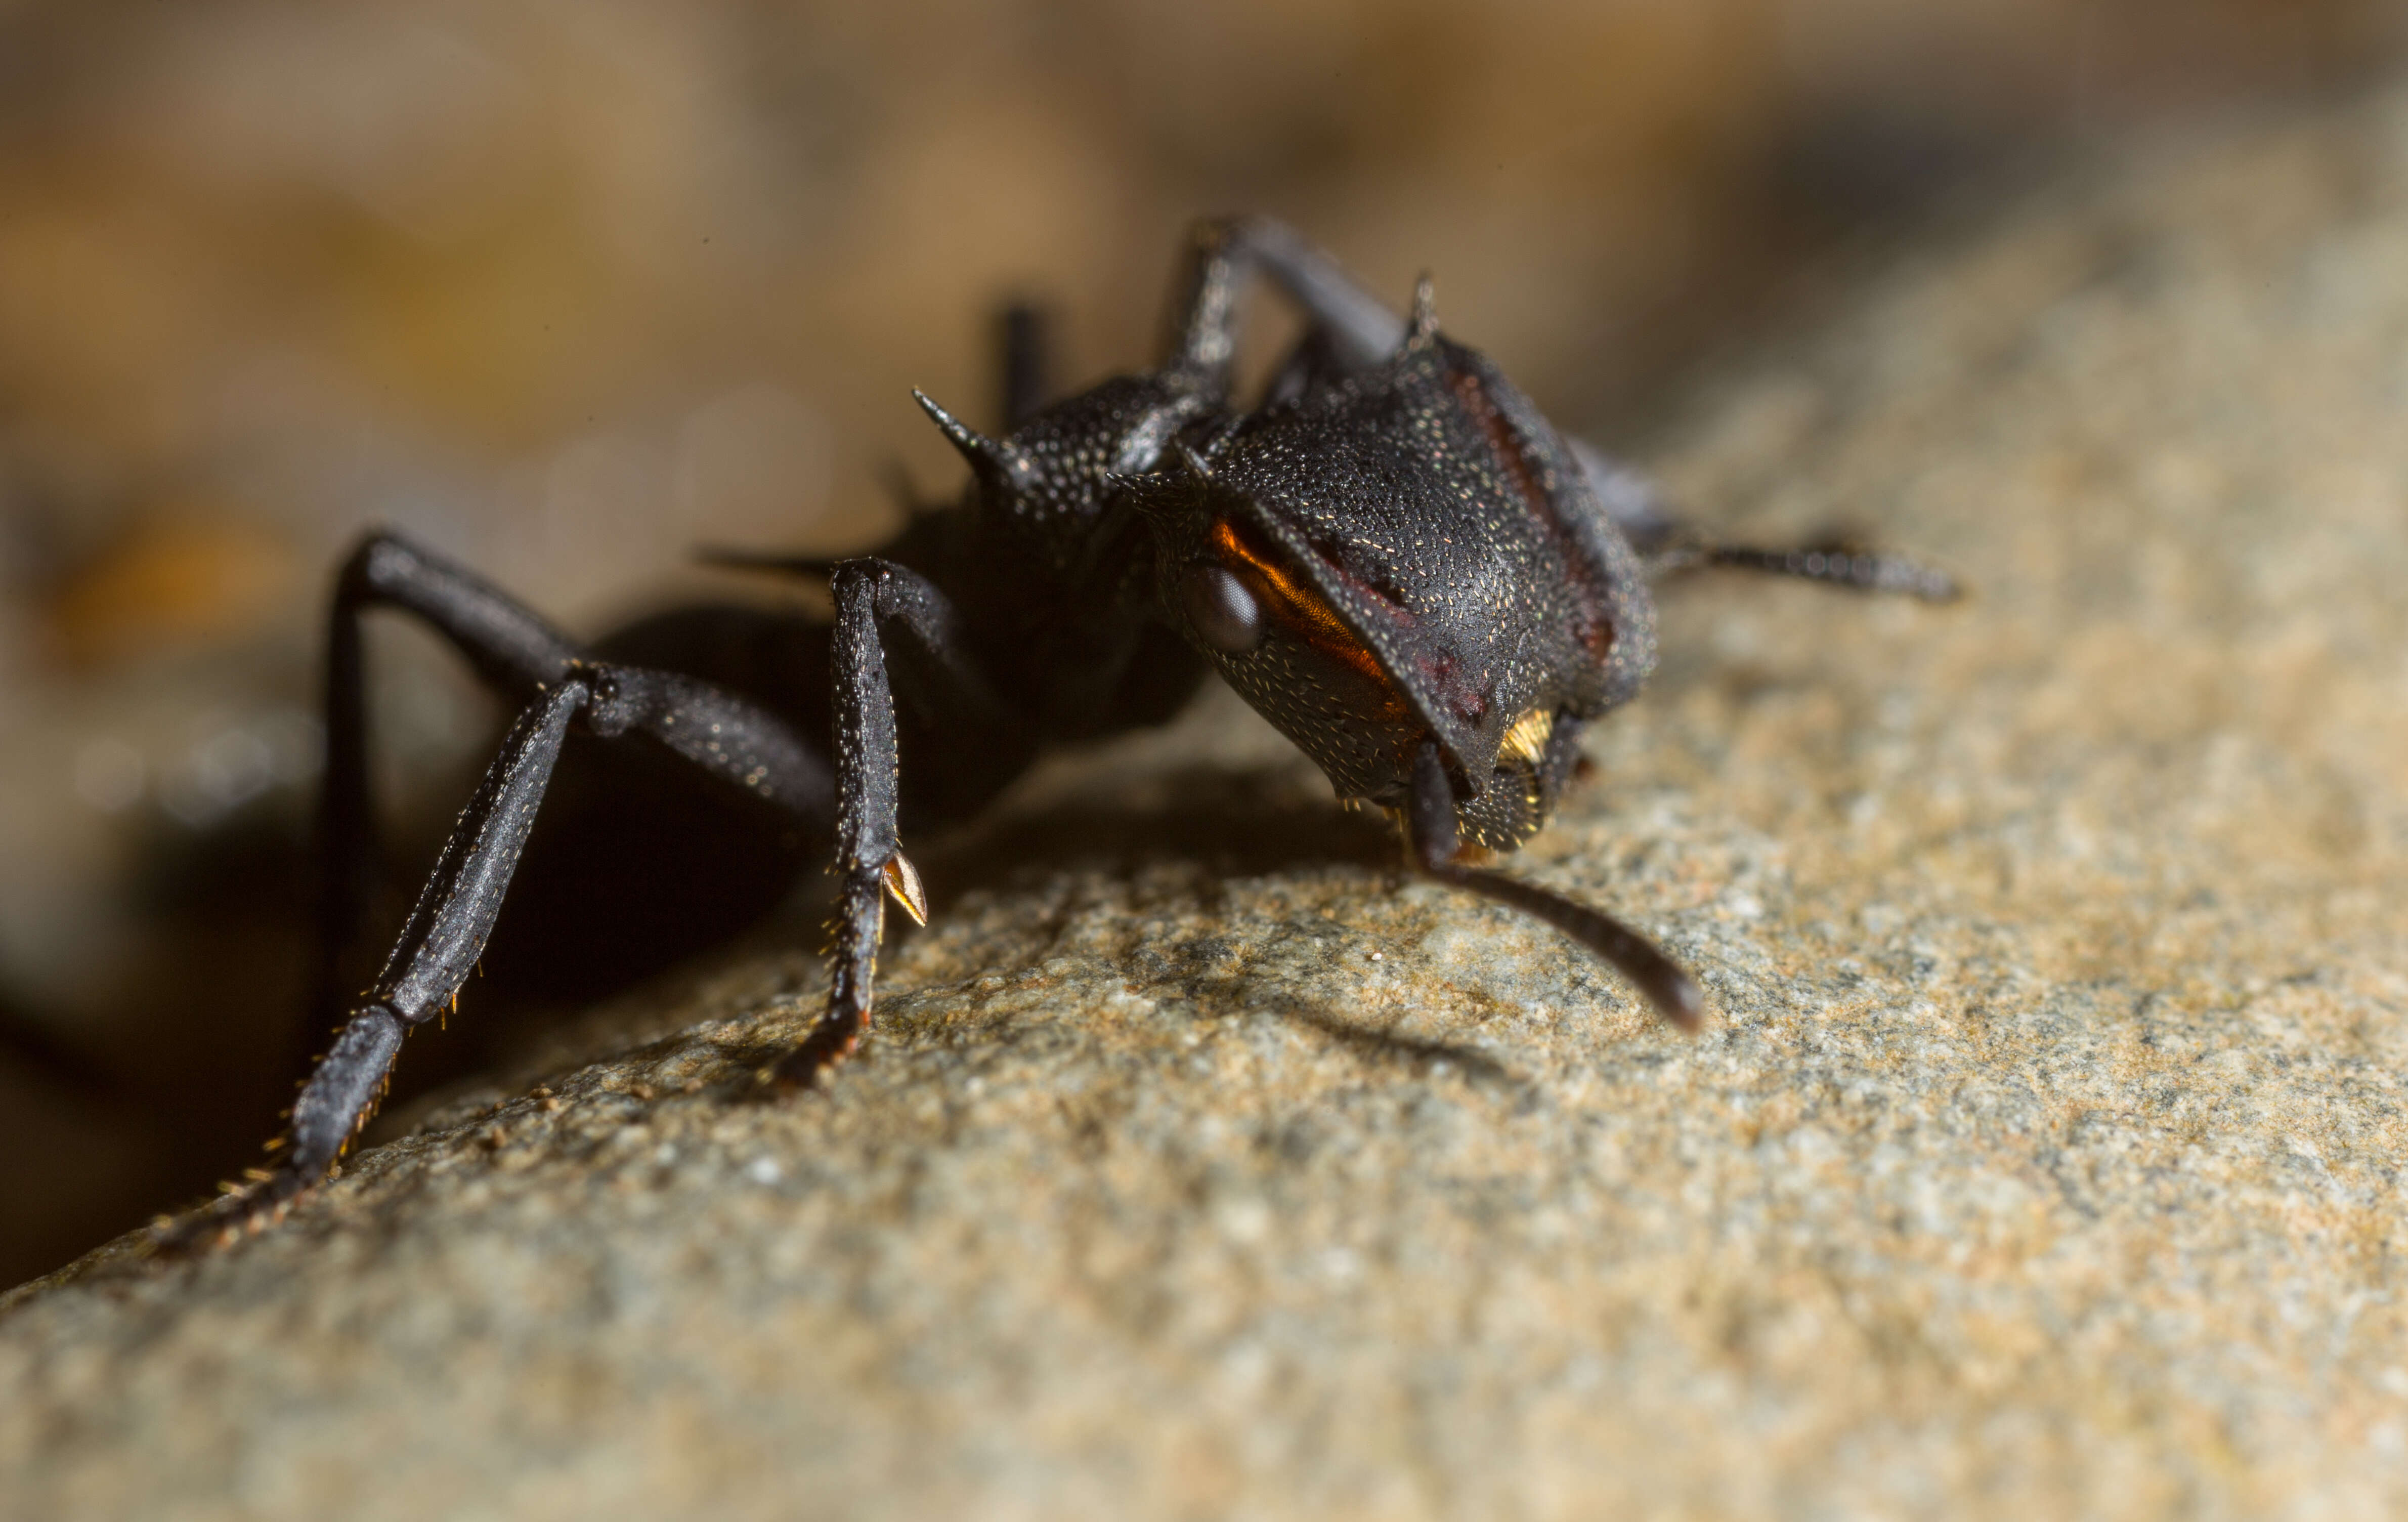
{"points": [[1664, 982]]}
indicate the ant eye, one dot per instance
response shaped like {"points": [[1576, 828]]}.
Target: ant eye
{"points": [[1220, 610]]}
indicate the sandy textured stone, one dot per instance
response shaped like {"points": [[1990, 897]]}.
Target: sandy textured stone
{"points": [[2044, 1159]]}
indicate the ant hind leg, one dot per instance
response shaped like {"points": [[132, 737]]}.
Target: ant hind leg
{"points": [[1667, 545], [1362, 330], [725, 735], [1838, 563]]}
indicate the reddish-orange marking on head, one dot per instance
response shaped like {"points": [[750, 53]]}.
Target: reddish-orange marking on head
{"points": [[1296, 604]]}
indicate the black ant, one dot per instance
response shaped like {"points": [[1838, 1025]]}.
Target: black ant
{"points": [[1394, 558]]}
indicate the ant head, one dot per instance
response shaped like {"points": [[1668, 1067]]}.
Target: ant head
{"points": [[1389, 560]]}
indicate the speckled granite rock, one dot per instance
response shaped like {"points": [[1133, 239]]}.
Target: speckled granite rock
{"points": [[2044, 1156]]}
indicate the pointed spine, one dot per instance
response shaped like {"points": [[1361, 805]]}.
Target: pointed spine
{"points": [[999, 466], [1423, 331], [1169, 490]]}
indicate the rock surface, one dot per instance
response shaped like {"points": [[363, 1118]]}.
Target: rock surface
{"points": [[2043, 1156]]}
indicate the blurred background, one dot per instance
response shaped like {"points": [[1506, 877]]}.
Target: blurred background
{"points": [[566, 287]]}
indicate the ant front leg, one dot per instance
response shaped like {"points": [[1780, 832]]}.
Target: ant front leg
{"points": [[884, 608], [1430, 824]]}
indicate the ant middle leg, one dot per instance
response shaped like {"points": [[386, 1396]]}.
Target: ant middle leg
{"points": [[719, 732], [725, 735], [518, 654]]}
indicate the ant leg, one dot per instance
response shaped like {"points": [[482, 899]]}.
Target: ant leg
{"points": [[1636, 505], [512, 650], [883, 610], [437, 949], [1838, 563], [1430, 819], [1025, 380], [447, 931], [1314, 362], [1225, 256], [1629, 496]]}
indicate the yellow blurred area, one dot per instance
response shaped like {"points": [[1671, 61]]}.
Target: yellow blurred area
{"points": [[186, 579]]}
